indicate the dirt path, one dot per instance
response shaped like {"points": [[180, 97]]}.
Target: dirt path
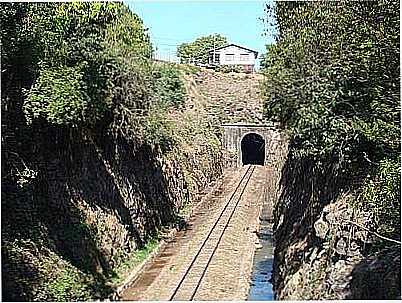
{"points": [[228, 274]]}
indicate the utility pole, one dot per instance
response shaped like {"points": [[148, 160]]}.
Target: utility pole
{"points": [[213, 58]]}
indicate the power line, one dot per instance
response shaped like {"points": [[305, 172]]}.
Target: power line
{"points": [[167, 45], [165, 38]]}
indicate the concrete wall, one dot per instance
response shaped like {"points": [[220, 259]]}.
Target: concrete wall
{"points": [[234, 133]]}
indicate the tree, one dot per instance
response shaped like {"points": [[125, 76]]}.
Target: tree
{"points": [[69, 68], [98, 43], [332, 80], [198, 49], [263, 64]]}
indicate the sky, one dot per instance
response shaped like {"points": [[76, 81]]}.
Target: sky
{"points": [[172, 22]]}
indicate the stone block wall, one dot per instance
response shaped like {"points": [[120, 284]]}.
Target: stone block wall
{"points": [[234, 133]]}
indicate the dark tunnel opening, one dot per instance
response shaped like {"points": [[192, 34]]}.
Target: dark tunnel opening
{"points": [[253, 149]]}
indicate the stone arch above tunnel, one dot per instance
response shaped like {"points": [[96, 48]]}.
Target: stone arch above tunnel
{"points": [[252, 147], [233, 135]]}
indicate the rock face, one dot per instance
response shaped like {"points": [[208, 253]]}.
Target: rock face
{"points": [[379, 275], [97, 199], [87, 200], [93, 201], [321, 250]]}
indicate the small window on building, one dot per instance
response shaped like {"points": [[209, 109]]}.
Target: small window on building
{"points": [[229, 57], [244, 57]]}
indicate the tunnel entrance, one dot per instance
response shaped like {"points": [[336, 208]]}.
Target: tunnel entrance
{"points": [[253, 149]]}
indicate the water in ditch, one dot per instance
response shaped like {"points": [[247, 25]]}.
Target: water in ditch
{"points": [[261, 287]]}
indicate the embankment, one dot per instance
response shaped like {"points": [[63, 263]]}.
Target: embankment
{"points": [[87, 200], [323, 247]]}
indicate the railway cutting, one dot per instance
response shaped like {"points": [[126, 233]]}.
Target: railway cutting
{"points": [[211, 258]]}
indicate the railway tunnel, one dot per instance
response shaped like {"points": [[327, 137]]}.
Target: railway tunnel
{"points": [[256, 144], [202, 253], [253, 149]]}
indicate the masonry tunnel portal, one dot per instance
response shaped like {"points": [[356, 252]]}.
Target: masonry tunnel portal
{"points": [[253, 149]]}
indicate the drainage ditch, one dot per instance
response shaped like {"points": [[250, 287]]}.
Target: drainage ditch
{"points": [[260, 286]]}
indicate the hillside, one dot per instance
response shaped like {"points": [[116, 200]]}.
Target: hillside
{"points": [[231, 97]]}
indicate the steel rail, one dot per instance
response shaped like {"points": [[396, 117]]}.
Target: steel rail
{"points": [[252, 168]]}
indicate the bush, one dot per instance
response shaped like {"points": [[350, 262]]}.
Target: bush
{"points": [[230, 68], [59, 96], [169, 86], [67, 286], [83, 53], [333, 82], [332, 79], [381, 197], [158, 130], [85, 66]]}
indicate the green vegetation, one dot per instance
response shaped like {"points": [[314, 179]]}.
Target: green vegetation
{"points": [[198, 50], [158, 130], [76, 60], [66, 285], [43, 276], [74, 69], [230, 68], [169, 88], [381, 197], [332, 80], [88, 62], [189, 69], [59, 96], [133, 260]]}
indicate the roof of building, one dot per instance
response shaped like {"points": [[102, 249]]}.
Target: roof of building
{"points": [[232, 44]]}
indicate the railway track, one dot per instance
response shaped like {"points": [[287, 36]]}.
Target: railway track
{"points": [[192, 278]]}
